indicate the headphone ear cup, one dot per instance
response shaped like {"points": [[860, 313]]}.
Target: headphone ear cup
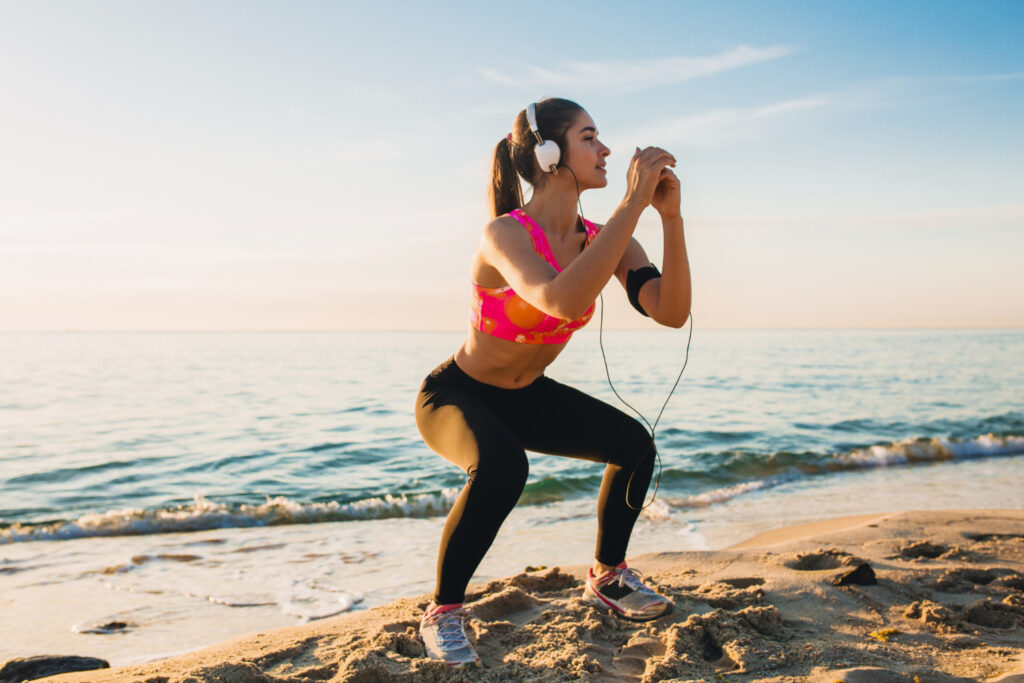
{"points": [[548, 155]]}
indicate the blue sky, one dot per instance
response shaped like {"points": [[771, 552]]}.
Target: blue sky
{"points": [[315, 165]]}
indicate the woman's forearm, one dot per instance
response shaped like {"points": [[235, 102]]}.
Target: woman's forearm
{"points": [[573, 291], [675, 293]]}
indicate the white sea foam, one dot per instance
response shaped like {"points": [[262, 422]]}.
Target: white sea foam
{"points": [[205, 514], [657, 510], [309, 602], [720, 495], [897, 453], [933, 449]]}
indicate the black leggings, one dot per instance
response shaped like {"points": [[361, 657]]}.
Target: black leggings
{"points": [[484, 429]]}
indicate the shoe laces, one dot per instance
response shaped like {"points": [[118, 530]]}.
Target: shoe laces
{"points": [[450, 631], [632, 578]]}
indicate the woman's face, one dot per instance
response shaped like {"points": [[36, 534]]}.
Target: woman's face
{"points": [[586, 154]]}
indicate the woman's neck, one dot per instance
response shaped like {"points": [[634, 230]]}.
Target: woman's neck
{"points": [[554, 208]]}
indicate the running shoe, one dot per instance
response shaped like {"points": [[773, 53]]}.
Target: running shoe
{"points": [[444, 635], [623, 590]]}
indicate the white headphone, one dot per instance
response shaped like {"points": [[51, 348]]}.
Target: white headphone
{"points": [[546, 150]]}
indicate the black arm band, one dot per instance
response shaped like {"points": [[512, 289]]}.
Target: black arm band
{"points": [[635, 279]]}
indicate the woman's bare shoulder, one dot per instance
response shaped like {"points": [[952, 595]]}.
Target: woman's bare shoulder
{"points": [[505, 230], [503, 221]]}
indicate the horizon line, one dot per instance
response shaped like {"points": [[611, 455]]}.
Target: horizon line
{"points": [[77, 330]]}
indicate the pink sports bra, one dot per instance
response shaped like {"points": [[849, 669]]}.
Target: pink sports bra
{"points": [[500, 312]]}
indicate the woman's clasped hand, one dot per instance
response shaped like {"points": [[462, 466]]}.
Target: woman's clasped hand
{"points": [[649, 180]]}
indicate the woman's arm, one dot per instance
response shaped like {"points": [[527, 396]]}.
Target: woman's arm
{"points": [[666, 299], [567, 295]]}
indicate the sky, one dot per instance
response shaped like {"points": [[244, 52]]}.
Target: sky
{"points": [[257, 165]]}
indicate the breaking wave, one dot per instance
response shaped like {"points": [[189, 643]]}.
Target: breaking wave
{"points": [[737, 474]]}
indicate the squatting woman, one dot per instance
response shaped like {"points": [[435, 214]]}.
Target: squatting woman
{"points": [[536, 274]]}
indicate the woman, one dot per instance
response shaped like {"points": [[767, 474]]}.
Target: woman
{"points": [[536, 273]]}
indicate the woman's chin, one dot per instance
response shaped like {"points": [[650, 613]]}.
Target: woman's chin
{"points": [[592, 184]]}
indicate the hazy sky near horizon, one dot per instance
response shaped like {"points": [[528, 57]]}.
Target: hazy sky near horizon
{"points": [[323, 165]]}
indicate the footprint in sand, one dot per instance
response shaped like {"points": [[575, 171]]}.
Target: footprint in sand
{"points": [[985, 538], [730, 593], [994, 614], [632, 658], [550, 583], [499, 606], [821, 559], [1013, 581], [922, 549], [743, 582], [962, 580]]}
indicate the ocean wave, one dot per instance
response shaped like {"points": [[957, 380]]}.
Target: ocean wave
{"points": [[723, 494], [932, 450], [204, 514], [732, 466], [729, 475], [787, 467]]}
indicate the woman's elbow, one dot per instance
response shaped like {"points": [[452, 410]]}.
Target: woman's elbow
{"points": [[554, 302], [677, 318], [556, 308], [571, 312]]}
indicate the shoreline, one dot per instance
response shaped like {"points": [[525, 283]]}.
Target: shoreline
{"points": [[949, 601]]}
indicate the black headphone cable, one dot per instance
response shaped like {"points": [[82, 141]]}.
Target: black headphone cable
{"points": [[607, 372]]}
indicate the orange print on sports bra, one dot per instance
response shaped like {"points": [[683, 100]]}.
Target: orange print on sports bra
{"points": [[521, 313]]}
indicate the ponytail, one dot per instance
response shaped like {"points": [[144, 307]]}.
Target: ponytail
{"points": [[505, 192]]}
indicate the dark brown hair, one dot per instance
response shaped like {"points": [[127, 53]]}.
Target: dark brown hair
{"points": [[515, 158]]}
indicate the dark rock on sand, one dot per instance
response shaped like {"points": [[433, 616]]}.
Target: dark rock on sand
{"points": [[861, 575], [31, 668]]}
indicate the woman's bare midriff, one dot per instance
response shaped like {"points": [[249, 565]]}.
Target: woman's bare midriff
{"points": [[504, 363]]}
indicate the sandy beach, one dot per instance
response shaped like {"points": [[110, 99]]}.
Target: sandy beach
{"points": [[909, 596]]}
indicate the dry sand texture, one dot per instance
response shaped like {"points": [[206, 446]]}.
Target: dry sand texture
{"points": [[948, 606]]}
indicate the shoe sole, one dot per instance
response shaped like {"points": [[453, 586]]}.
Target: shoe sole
{"points": [[454, 665], [458, 665], [598, 602]]}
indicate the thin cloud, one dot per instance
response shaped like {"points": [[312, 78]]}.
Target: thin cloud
{"points": [[984, 78], [790, 106], [622, 76], [715, 126], [724, 125], [729, 124]]}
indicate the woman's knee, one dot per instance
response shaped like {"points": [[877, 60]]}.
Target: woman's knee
{"points": [[635, 445], [502, 472]]}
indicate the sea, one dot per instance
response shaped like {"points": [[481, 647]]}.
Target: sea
{"points": [[163, 491]]}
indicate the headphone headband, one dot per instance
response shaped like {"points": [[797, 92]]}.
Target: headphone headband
{"points": [[531, 118]]}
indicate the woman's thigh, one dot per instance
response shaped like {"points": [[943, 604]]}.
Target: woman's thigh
{"points": [[463, 429], [562, 420]]}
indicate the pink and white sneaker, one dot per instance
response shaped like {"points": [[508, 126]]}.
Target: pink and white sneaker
{"points": [[623, 590], [443, 632]]}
